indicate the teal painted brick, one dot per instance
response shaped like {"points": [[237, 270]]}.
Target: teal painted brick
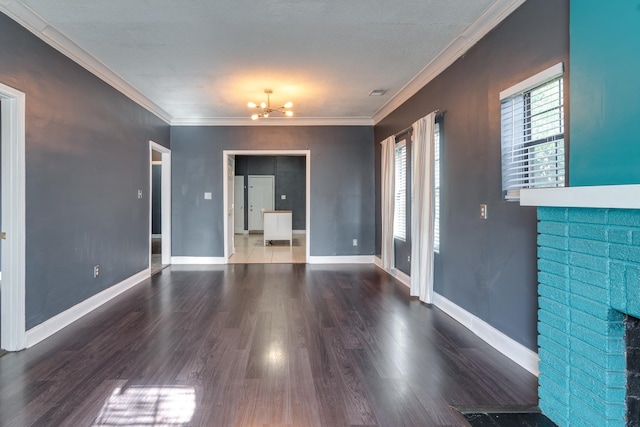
{"points": [[594, 308], [608, 410], [589, 216], [553, 294], [557, 411], [583, 415], [554, 307], [626, 217], [618, 287], [555, 255], [590, 262], [558, 392], [553, 268], [588, 232], [556, 335], [612, 377], [610, 362], [550, 362], [554, 348], [551, 319], [602, 391], [635, 238], [619, 235], [607, 344], [589, 247], [552, 214], [589, 291], [597, 325], [559, 379], [553, 280], [554, 242], [553, 228], [625, 253], [632, 285], [589, 276]]}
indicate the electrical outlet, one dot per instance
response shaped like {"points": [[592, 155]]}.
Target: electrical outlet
{"points": [[408, 258], [355, 242], [139, 194], [283, 197], [96, 271], [207, 195], [483, 211]]}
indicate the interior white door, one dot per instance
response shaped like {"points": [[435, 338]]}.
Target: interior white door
{"points": [[238, 197], [231, 174], [261, 197]]}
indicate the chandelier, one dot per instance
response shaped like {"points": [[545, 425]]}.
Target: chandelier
{"points": [[265, 108]]}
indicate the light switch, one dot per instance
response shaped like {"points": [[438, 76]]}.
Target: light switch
{"points": [[207, 195], [283, 197], [139, 194], [483, 211]]}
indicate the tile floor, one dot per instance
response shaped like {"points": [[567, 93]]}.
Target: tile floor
{"points": [[250, 249]]}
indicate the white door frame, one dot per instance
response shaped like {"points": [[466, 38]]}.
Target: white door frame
{"points": [[165, 200], [14, 334], [238, 225], [225, 165]]}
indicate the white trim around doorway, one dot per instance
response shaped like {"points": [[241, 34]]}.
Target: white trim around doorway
{"points": [[225, 165], [165, 200], [12, 311]]}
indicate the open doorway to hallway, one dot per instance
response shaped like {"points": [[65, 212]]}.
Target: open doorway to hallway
{"points": [[160, 208], [267, 199]]}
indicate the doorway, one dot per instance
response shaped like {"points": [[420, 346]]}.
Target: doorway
{"points": [[13, 335], [159, 207], [268, 253]]}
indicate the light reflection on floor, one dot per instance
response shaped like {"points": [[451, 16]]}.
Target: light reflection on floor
{"points": [[148, 406]]}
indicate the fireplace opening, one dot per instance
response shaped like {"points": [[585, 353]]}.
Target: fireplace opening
{"points": [[632, 341]]}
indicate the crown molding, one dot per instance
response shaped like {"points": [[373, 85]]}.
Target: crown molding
{"points": [[33, 22], [274, 121], [458, 47]]}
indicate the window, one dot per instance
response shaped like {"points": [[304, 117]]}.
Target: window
{"points": [[532, 116], [400, 213], [436, 187]]}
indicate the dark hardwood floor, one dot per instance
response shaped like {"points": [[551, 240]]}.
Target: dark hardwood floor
{"points": [[260, 345]]}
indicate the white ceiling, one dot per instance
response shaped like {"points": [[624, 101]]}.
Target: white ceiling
{"points": [[200, 61]]}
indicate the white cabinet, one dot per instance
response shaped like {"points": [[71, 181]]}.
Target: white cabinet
{"points": [[277, 226]]}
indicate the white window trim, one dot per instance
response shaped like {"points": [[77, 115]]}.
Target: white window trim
{"points": [[542, 77]]}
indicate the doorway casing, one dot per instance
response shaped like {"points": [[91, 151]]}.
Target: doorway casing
{"points": [[165, 200], [225, 196], [12, 310]]}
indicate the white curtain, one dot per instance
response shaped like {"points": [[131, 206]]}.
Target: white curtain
{"points": [[422, 209], [388, 195]]}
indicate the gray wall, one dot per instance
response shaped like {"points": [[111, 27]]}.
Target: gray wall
{"points": [[486, 267], [290, 180], [342, 189], [87, 154]]}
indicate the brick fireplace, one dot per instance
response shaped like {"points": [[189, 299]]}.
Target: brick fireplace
{"points": [[588, 282]]}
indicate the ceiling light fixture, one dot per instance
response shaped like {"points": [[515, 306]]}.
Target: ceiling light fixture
{"points": [[265, 107], [378, 92]]}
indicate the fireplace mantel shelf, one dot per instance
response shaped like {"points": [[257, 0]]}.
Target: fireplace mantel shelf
{"points": [[604, 196]]}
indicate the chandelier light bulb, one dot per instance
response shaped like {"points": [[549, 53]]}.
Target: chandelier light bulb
{"points": [[263, 105], [254, 117], [251, 105], [289, 113], [288, 104], [265, 115]]}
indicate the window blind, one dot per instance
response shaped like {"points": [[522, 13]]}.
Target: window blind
{"points": [[532, 129], [400, 214]]}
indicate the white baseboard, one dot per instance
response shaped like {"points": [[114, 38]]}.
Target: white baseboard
{"points": [[191, 260], [56, 323], [156, 236], [515, 351], [347, 259]]}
